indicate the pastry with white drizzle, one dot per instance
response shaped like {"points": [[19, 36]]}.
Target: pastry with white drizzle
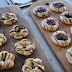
{"points": [[61, 38], [33, 65]]}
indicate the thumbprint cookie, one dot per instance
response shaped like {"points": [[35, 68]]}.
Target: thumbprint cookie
{"points": [[61, 38], [58, 6], [66, 17], [50, 24], [41, 11]]}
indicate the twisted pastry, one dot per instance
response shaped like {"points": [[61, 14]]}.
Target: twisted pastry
{"points": [[61, 38], [6, 60], [24, 47], [3, 39], [41, 11], [18, 32], [8, 18], [66, 17], [33, 65], [50, 24], [58, 6], [69, 55]]}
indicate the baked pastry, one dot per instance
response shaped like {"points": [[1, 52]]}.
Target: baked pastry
{"points": [[3, 39], [69, 55], [61, 38], [66, 17], [8, 18], [50, 24], [24, 47], [6, 60], [58, 6], [18, 32], [41, 11], [33, 65]]}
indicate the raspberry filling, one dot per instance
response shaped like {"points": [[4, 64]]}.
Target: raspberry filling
{"points": [[61, 37], [50, 22], [58, 5], [68, 15], [41, 9]]}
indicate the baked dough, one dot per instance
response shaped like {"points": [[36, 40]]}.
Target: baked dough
{"points": [[6, 60], [24, 47], [69, 55], [8, 18], [58, 6], [66, 17], [50, 24], [59, 40], [33, 65], [18, 32], [41, 11], [3, 39]]}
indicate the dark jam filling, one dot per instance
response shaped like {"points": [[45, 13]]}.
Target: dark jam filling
{"points": [[68, 15], [58, 5], [61, 37], [41, 10], [51, 22]]}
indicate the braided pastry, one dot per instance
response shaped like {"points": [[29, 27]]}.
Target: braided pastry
{"points": [[18, 32], [66, 17], [50, 24], [58, 6], [6, 60], [41, 11], [33, 65], [8, 18], [61, 38], [24, 47], [69, 55], [3, 39]]}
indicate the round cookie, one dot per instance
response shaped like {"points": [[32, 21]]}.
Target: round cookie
{"points": [[58, 6], [41, 11], [69, 55], [66, 17], [6, 60], [18, 32], [61, 38], [24, 47], [50, 24], [8, 18], [3, 39], [33, 65]]}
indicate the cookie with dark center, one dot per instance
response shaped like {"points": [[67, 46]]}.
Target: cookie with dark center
{"points": [[61, 37], [68, 15], [41, 10], [58, 5], [50, 22]]}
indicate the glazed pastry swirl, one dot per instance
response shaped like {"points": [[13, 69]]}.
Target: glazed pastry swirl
{"points": [[18, 32], [33, 65], [41, 11], [6, 60], [3, 39], [57, 8], [24, 47], [8, 18], [69, 55], [66, 17], [50, 24], [59, 40]]}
